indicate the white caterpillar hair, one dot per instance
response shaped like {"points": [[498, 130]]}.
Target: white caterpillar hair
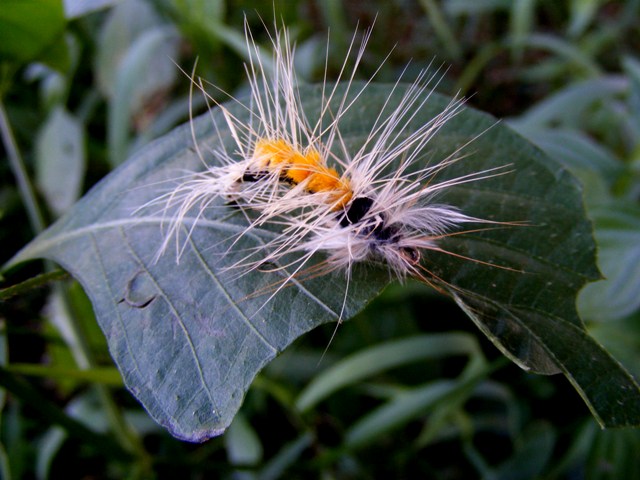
{"points": [[375, 204]]}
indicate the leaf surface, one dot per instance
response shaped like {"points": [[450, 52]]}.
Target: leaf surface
{"points": [[190, 336]]}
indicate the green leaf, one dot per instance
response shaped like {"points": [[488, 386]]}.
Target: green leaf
{"points": [[28, 27], [61, 160], [134, 64], [189, 337], [242, 443], [79, 8], [613, 454], [124, 25], [571, 105], [582, 14], [379, 358], [618, 235], [532, 455], [288, 455], [577, 152], [565, 51], [398, 411], [50, 412], [520, 25], [416, 402], [201, 10], [146, 70], [609, 391], [473, 7], [621, 338]]}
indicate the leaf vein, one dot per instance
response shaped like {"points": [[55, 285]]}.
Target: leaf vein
{"points": [[177, 316], [244, 317]]}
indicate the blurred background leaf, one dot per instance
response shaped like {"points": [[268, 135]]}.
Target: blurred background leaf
{"points": [[30, 29]]}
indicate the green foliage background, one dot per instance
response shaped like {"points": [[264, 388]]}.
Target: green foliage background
{"points": [[85, 87]]}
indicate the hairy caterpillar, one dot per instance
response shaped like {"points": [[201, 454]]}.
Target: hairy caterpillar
{"points": [[375, 204]]}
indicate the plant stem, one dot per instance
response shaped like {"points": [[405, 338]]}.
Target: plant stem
{"points": [[83, 356], [50, 412], [442, 29], [32, 283], [20, 172]]}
